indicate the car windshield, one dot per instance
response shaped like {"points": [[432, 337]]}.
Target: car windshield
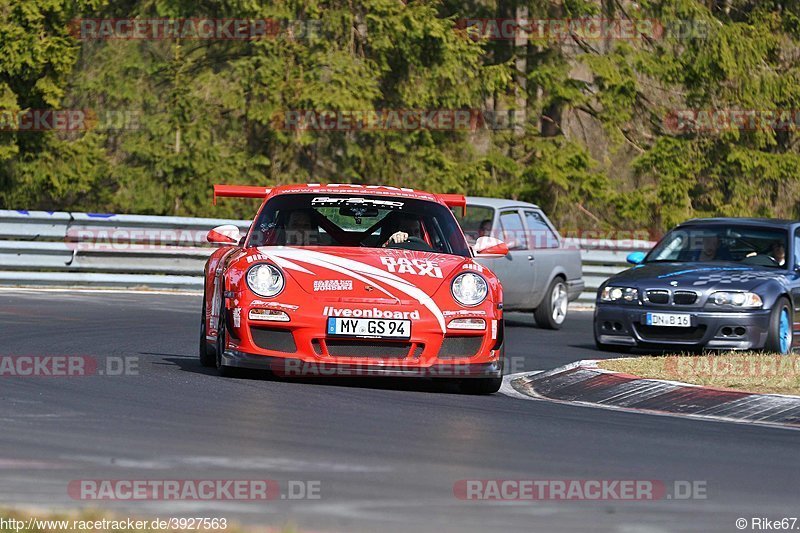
{"points": [[364, 221], [742, 244]]}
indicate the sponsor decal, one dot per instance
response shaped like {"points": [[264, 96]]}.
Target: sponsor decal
{"points": [[494, 330], [333, 201], [333, 285], [370, 313], [472, 266], [464, 313], [256, 257], [378, 278], [237, 317], [274, 305], [366, 187], [418, 267]]}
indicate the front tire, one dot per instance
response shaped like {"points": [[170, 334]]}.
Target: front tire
{"points": [[779, 337], [552, 312], [222, 344], [207, 354]]}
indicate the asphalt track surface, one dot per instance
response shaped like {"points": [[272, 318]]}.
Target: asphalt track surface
{"points": [[386, 454]]}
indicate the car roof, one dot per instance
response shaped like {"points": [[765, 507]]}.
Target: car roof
{"points": [[497, 202], [352, 188], [771, 222]]}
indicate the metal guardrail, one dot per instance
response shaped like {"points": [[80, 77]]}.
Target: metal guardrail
{"points": [[602, 259], [102, 250], [42, 248]]}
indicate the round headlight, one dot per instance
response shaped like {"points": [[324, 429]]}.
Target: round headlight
{"points": [[265, 280], [469, 289]]}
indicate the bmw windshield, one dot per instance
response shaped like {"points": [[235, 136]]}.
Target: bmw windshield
{"points": [[752, 245], [358, 221]]}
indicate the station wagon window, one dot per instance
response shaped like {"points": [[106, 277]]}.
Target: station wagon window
{"points": [[513, 230], [477, 222], [539, 233]]}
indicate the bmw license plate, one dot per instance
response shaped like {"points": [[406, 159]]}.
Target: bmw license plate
{"points": [[668, 319], [369, 327]]}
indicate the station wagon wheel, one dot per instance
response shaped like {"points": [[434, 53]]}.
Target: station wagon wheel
{"points": [[552, 312]]}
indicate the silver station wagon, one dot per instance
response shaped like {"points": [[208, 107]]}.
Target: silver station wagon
{"points": [[539, 274]]}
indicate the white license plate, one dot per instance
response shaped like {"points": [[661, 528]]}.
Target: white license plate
{"points": [[669, 319], [370, 327]]}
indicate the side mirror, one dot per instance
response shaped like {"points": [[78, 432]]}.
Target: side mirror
{"points": [[225, 234], [635, 258], [490, 247]]}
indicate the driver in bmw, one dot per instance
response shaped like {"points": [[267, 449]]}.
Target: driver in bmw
{"points": [[408, 226]]}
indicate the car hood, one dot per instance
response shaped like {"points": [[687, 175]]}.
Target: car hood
{"points": [[703, 276], [386, 276]]}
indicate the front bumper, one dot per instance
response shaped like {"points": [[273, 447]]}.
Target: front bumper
{"points": [[624, 325], [303, 347], [293, 367]]}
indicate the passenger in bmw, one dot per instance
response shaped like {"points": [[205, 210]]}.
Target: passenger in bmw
{"points": [[711, 250], [778, 253]]}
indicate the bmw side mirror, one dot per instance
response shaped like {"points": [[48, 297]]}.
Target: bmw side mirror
{"points": [[635, 258]]}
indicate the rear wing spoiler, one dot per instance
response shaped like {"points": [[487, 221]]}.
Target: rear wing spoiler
{"points": [[455, 200], [239, 191]]}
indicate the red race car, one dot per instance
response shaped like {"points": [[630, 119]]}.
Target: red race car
{"points": [[353, 280]]}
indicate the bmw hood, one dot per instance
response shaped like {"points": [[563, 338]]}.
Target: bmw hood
{"points": [[705, 276]]}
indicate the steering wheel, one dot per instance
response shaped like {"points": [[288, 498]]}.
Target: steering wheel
{"points": [[761, 260], [413, 243]]}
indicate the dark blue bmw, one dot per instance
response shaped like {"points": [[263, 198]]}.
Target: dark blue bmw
{"points": [[716, 283]]}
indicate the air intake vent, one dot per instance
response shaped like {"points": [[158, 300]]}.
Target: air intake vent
{"points": [[657, 296], [684, 297], [378, 350], [278, 340]]}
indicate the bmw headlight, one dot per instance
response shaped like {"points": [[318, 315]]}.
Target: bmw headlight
{"points": [[265, 280], [747, 300], [469, 289], [619, 294]]}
